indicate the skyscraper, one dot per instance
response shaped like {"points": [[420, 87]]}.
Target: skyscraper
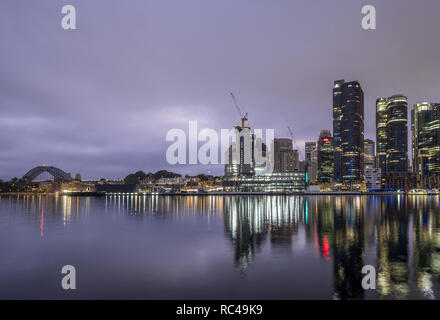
{"points": [[425, 125], [369, 158], [296, 165], [309, 147], [392, 142], [338, 102], [397, 134], [240, 156], [381, 134], [314, 169], [260, 156], [285, 157], [348, 132], [325, 157]]}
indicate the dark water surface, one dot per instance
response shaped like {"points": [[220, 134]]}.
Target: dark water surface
{"points": [[220, 247]]}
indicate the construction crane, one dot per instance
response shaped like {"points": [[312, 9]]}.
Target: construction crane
{"points": [[291, 134], [244, 117]]}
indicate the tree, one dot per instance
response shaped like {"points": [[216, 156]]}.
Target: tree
{"points": [[131, 179], [137, 177], [165, 174]]}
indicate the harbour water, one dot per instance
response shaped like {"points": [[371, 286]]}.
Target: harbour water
{"points": [[220, 247]]}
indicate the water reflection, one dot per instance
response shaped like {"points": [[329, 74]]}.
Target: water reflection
{"points": [[250, 221], [399, 235]]}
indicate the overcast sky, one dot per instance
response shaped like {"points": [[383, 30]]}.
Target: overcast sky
{"points": [[99, 100]]}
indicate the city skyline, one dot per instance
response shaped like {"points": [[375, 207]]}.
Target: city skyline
{"points": [[226, 158], [82, 104]]}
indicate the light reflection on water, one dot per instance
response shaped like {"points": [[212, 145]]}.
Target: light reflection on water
{"points": [[223, 246]]}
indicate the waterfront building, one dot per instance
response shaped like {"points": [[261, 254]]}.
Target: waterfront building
{"points": [[260, 157], [76, 186], [170, 181], [399, 180], [286, 159], [373, 178], [425, 125], [192, 180], [348, 132], [397, 134], [270, 182], [232, 161], [325, 157], [392, 141], [369, 154], [117, 188], [240, 156]]}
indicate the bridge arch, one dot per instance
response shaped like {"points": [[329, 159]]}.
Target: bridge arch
{"points": [[55, 172]]}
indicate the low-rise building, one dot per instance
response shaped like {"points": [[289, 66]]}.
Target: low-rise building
{"points": [[77, 186], [117, 188], [373, 178], [170, 181], [272, 182], [399, 180]]}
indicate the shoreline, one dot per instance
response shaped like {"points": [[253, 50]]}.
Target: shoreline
{"points": [[305, 193]]}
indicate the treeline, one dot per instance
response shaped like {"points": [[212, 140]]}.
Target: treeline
{"points": [[14, 185], [137, 177]]}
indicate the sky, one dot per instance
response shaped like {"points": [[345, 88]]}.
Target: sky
{"points": [[99, 100]]}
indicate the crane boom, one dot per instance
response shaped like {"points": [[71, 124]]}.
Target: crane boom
{"points": [[244, 117], [236, 105], [294, 141], [291, 134]]}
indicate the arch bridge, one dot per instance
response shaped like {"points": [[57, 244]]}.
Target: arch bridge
{"points": [[55, 172]]}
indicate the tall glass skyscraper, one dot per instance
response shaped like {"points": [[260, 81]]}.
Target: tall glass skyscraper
{"points": [[425, 124], [381, 134], [337, 117], [397, 134], [325, 157], [348, 132], [392, 133]]}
